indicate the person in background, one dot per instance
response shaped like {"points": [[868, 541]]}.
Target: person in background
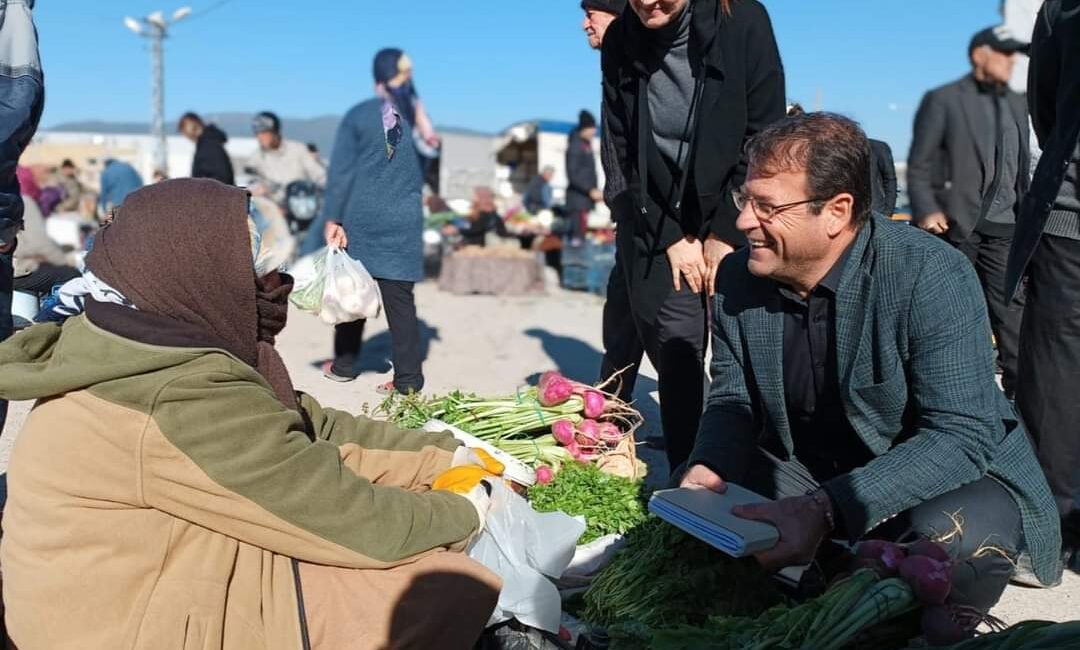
{"points": [[278, 161], [1046, 249], [680, 165], [373, 210], [285, 524], [980, 127], [599, 14], [39, 263], [882, 171], [582, 193], [67, 178], [211, 159], [118, 179], [394, 74], [483, 219], [853, 377], [537, 195], [313, 149]]}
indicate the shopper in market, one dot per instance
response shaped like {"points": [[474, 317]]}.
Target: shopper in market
{"points": [[1046, 249], [978, 128], [716, 79], [482, 220], [279, 161], [211, 159], [538, 195], [853, 377], [373, 210], [167, 426], [582, 193]]}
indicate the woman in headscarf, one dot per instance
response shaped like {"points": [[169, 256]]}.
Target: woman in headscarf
{"points": [[171, 489], [373, 209]]}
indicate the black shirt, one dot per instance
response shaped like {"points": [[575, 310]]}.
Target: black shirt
{"points": [[824, 440], [475, 233]]}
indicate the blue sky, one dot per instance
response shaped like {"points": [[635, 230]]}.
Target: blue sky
{"points": [[482, 64]]}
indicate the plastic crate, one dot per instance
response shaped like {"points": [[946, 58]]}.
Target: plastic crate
{"points": [[575, 277], [587, 253], [599, 273]]}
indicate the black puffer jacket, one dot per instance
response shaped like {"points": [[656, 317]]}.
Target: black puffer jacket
{"points": [[211, 159]]}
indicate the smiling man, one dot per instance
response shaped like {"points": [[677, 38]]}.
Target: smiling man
{"points": [[853, 378]]}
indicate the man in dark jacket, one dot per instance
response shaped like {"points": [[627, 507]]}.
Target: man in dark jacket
{"points": [[1047, 249], [373, 210], [980, 128], [211, 159], [883, 177], [853, 378], [686, 83], [582, 193], [22, 97]]}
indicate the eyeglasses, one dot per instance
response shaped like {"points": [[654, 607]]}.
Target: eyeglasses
{"points": [[766, 211]]}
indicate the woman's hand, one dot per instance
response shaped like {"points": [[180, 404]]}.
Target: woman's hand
{"points": [[335, 235], [715, 251], [687, 260]]}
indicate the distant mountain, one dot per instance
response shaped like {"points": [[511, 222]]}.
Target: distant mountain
{"points": [[320, 130]]}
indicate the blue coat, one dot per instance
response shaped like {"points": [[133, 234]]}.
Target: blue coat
{"points": [[916, 376], [377, 200]]}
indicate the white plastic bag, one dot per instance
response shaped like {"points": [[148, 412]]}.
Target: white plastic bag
{"points": [[525, 548], [350, 293], [309, 273]]}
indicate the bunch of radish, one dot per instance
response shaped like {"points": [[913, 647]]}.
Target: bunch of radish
{"points": [[607, 420], [927, 568]]}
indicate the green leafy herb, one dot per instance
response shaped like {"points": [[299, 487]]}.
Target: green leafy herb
{"points": [[610, 504]]}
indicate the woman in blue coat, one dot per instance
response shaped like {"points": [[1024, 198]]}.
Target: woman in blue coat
{"points": [[373, 210]]}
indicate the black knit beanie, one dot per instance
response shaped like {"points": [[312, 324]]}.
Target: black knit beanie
{"points": [[609, 6], [585, 120]]}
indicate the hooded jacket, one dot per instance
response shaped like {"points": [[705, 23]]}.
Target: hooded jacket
{"points": [[157, 496], [211, 159], [169, 477]]}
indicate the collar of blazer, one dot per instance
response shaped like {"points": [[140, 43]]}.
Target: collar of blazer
{"points": [[763, 327]]}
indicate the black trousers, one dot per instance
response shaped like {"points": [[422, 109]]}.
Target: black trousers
{"points": [[45, 278], [622, 343], [990, 255], [1050, 372], [989, 516], [6, 324], [675, 340], [399, 301]]}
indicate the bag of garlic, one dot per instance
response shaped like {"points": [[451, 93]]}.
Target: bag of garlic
{"points": [[350, 293]]}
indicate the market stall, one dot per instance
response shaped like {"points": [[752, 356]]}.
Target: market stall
{"points": [[494, 270]]}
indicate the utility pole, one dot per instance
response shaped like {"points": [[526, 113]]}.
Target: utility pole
{"points": [[156, 28]]}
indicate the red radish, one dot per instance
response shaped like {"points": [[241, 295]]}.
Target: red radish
{"points": [[890, 554], [929, 579], [589, 433], [595, 404], [574, 450], [940, 626], [931, 549], [544, 475], [563, 431], [610, 433], [556, 390]]}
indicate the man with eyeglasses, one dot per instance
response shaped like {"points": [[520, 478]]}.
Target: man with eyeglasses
{"points": [[853, 378]]}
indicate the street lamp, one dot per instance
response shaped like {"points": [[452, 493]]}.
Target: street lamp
{"points": [[155, 27]]}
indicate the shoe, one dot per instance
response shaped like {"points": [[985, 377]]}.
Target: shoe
{"points": [[328, 372], [1024, 576]]}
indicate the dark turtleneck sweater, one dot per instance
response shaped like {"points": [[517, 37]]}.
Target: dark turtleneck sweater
{"points": [[671, 87]]}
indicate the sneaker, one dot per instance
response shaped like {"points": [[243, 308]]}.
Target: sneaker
{"points": [[386, 389], [328, 372]]}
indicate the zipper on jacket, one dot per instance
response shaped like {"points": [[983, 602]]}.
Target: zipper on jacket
{"points": [[305, 638]]}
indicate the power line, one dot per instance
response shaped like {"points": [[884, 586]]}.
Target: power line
{"points": [[214, 7]]}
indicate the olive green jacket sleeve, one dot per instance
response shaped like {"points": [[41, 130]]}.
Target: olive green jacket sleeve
{"points": [[220, 451], [382, 452]]}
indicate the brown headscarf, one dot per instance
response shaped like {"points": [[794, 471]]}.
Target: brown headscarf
{"points": [[180, 251]]}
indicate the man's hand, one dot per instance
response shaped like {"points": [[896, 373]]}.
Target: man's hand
{"points": [[700, 476], [687, 260], [715, 251], [802, 526], [936, 223], [335, 235], [596, 195]]}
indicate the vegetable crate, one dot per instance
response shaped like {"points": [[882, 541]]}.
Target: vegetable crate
{"points": [[587, 266]]}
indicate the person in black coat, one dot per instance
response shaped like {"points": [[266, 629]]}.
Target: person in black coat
{"points": [[980, 128], [686, 83], [1046, 248], [882, 178], [211, 159], [582, 182]]}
